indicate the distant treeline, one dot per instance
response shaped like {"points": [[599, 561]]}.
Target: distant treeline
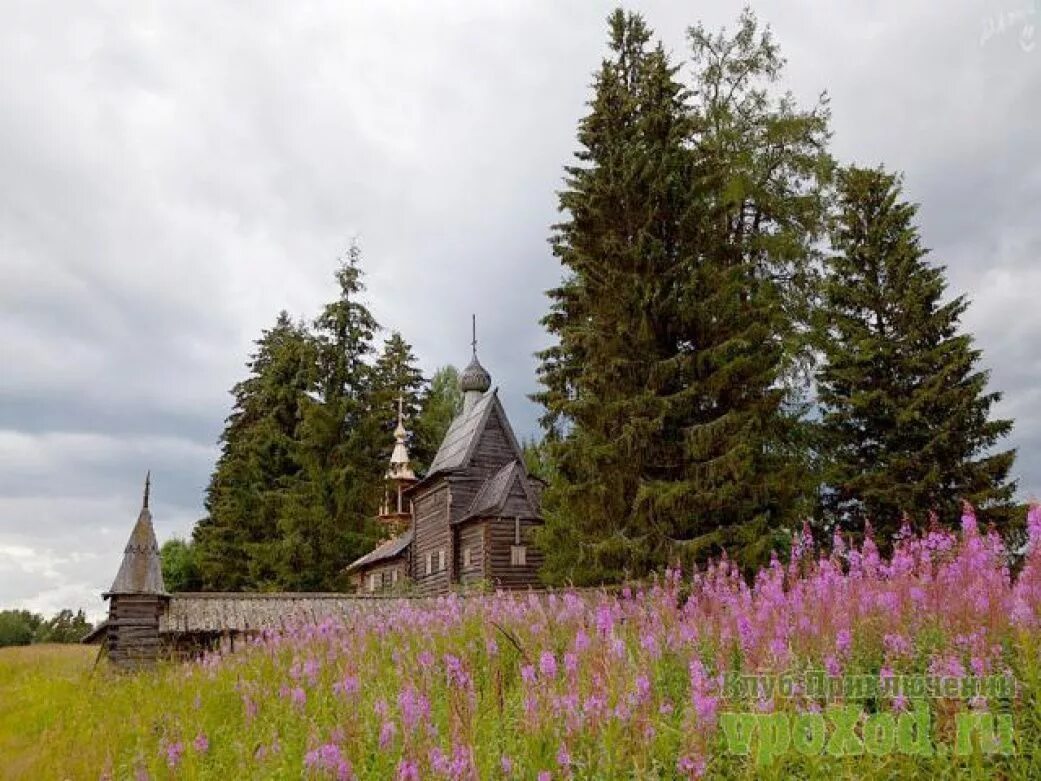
{"points": [[22, 627]]}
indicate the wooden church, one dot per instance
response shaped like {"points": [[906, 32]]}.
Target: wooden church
{"points": [[469, 520]]}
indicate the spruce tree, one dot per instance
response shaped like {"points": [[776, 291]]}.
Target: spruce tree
{"points": [[691, 220], [329, 515], [612, 314], [907, 424], [737, 475], [397, 376], [259, 464]]}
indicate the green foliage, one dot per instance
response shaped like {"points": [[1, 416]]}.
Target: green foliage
{"points": [[64, 627], [303, 454], [906, 425], [691, 218], [396, 375], [441, 403], [180, 565], [239, 542], [22, 627], [536, 458], [327, 519], [18, 627]]}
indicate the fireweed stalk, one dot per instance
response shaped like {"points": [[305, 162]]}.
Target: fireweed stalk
{"points": [[582, 685]]}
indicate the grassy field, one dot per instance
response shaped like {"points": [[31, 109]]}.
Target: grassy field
{"points": [[37, 683], [591, 686]]}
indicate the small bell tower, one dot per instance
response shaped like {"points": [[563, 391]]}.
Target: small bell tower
{"points": [[395, 513]]}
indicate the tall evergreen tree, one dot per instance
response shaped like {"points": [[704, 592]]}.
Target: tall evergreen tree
{"points": [[604, 379], [396, 375], [690, 218], [329, 519], [738, 469], [906, 414], [259, 464]]}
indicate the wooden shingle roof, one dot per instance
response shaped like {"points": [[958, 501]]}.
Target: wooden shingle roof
{"points": [[461, 438], [140, 572], [387, 550], [507, 492], [223, 612]]}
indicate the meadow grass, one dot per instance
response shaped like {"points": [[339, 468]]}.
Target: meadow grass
{"points": [[567, 686]]}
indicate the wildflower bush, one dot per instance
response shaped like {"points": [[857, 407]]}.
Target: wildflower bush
{"points": [[587, 685]]}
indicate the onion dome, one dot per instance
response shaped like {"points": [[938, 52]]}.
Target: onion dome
{"points": [[475, 377]]}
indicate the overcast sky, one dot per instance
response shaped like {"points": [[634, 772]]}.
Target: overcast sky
{"points": [[173, 176]]}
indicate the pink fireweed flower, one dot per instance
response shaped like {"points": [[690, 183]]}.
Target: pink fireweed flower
{"points": [[832, 666], [1034, 526], [692, 767], [201, 744], [174, 751], [897, 644], [643, 686], [528, 673], [581, 641], [506, 764], [457, 674], [347, 686], [387, 733], [414, 707], [604, 619], [545, 775], [548, 664], [439, 762], [843, 641], [563, 756], [408, 770], [329, 759], [969, 526], [570, 663]]}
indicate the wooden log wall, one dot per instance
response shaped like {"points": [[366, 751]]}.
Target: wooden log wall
{"points": [[384, 572], [470, 535], [500, 539], [432, 534], [132, 637]]}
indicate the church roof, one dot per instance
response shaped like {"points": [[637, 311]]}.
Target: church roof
{"points": [[462, 435], [141, 571], [388, 550], [494, 494]]}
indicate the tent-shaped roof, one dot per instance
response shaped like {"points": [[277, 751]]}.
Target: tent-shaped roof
{"points": [[141, 571], [387, 550], [506, 492], [464, 432]]}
